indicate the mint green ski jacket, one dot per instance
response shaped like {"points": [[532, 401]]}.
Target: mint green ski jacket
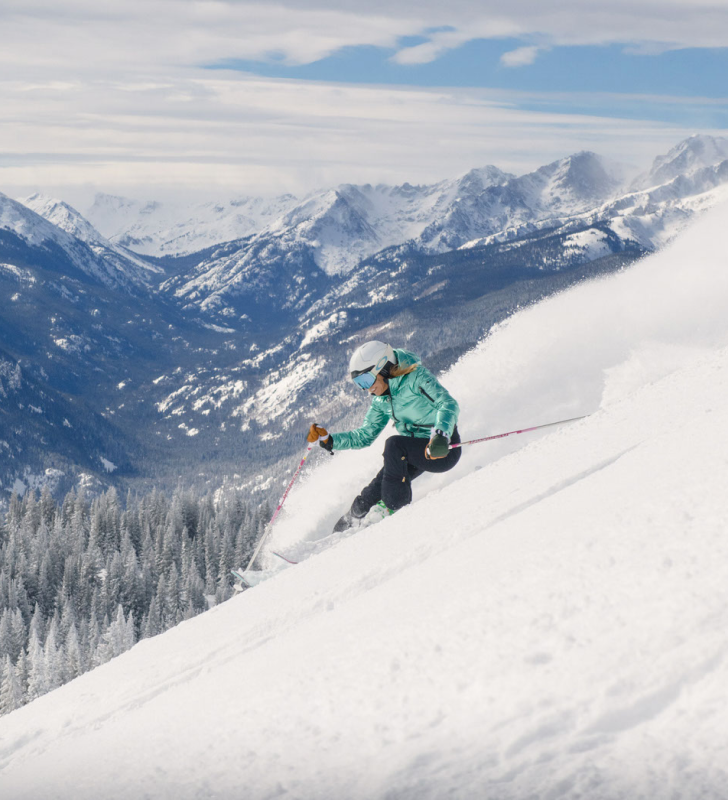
{"points": [[416, 402]]}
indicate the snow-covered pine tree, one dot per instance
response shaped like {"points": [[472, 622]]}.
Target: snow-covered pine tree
{"points": [[11, 691], [67, 568]]}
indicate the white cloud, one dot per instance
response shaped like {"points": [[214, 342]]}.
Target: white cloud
{"points": [[520, 57], [113, 95], [133, 35], [228, 132], [442, 41]]}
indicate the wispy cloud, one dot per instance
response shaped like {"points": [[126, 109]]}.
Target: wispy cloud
{"points": [[114, 94], [136, 34], [520, 57], [236, 133]]}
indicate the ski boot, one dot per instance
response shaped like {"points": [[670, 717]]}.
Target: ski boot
{"points": [[377, 513], [353, 518]]}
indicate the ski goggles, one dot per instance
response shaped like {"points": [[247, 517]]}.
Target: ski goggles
{"points": [[365, 380]]}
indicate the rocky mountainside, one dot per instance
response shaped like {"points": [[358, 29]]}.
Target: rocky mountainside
{"points": [[206, 366]]}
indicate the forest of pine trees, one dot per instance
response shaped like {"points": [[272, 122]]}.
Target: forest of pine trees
{"points": [[81, 582]]}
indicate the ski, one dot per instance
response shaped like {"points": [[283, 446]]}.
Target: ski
{"points": [[247, 579], [283, 558], [241, 578]]}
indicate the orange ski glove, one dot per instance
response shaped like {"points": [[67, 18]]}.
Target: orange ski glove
{"points": [[316, 432]]}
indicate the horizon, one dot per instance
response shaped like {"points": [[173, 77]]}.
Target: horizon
{"points": [[82, 198]]}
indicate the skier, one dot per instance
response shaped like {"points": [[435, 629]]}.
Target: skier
{"points": [[424, 414]]}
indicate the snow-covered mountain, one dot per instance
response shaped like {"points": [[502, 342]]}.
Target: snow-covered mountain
{"points": [[158, 229], [332, 232], [66, 218], [685, 158], [561, 189], [349, 223], [546, 620], [335, 230], [79, 321], [659, 204], [69, 242], [338, 230], [327, 234]]}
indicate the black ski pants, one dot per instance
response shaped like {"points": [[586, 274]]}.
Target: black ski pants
{"points": [[404, 460]]}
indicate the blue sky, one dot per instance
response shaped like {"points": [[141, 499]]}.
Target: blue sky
{"points": [[608, 79]]}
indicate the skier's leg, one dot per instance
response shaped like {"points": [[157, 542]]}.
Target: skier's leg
{"points": [[404, 460], [416, 456], [369, 496], [397, 480]]}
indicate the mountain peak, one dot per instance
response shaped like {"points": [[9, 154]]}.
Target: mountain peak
{"points": [[63, 216], [693, 153], [18, 218], [478, 179], [580, 179]]}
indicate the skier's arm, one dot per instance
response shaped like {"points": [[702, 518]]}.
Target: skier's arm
{"points": [[374, 423], [446, 406]]}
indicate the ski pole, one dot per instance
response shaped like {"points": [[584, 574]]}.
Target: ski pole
{"points": [[269, 526], [523, 430]]}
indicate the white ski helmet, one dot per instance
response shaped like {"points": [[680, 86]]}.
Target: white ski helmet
{"points": [[371, 358]]}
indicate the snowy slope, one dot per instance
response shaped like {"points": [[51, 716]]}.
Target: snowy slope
{"points": [[548, 620]]}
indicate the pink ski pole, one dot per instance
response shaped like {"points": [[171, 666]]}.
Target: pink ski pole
{"points": [[523, 430], [269, 526]]}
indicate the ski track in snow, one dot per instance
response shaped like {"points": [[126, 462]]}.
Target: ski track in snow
{"points": [[546, 621]]}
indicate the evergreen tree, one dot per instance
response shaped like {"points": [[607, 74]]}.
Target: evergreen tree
{"points": [[53, 659], [11, 692], [6, 634], [153, 621], [37, 679], [21, 672], [67, 569], [72, 663], [115, 639]]}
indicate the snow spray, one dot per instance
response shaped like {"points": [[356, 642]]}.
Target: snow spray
{"points": [[277, 511]]}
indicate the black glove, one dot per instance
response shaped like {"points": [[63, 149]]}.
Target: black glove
{"points": [[438, 446], [327, 444]]}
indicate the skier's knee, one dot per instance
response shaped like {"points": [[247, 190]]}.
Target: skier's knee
{"points": [[396, 494]]}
